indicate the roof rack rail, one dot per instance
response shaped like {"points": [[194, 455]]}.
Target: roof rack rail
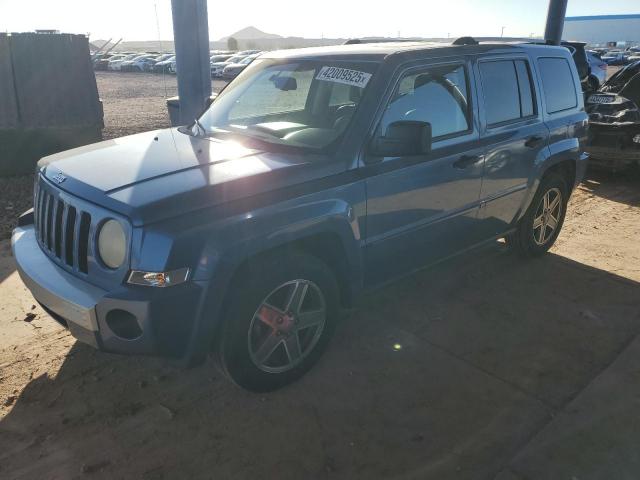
{"points": [[465, 41], [355, 41]]}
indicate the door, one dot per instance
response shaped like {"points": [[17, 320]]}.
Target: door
{"points": [[423, 208], [515, 137]]}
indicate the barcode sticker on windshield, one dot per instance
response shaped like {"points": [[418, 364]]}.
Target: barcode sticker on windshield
{"points": [[344, 75]]}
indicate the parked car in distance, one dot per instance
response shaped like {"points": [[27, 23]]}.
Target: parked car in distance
{"points": [[101, 61], [157, 59], [316, 176], [614, 121], [164, 65], [140, 63], [116, 63], [598, 73], [233, 69], [615, 58], [218, 67], [219, 58]]}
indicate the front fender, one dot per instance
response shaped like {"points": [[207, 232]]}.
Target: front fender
{"points": [[216, 249]]}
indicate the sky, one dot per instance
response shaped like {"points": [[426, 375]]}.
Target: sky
{"points": [[137, 19]]}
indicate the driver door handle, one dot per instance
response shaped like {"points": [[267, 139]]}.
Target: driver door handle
{"points": [[534, 141], [466, 161]]}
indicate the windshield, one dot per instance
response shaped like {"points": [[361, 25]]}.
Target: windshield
{"points": [[235, 59], [305, 103]]}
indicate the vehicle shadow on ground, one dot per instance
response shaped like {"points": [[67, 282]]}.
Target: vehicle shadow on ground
{"points": [[445, 374], [620, 187], [6, 268]]}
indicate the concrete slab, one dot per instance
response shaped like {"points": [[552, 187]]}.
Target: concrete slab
{"points": [[597, 436]]}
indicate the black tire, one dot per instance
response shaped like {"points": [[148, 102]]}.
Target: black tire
{"points": [[261, 279], [526, 241]]}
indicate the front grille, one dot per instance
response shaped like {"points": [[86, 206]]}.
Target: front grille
{"points": [[62, 229]]}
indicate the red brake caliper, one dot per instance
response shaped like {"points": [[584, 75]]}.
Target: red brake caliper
{"points": [[277, 320]]}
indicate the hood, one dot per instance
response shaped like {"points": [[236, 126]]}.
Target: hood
{"points": [[156, 175]]}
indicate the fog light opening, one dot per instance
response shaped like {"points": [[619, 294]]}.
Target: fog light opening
{"points": [[124, 324]]}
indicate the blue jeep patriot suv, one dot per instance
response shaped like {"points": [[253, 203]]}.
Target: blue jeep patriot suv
{"points": [[316, 174]]}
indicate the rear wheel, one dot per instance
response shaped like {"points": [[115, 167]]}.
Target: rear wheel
{"points": [[279, 319], [539, 228]]}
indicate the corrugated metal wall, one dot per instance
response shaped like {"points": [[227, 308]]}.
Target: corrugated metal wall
{"points": [[48, 97], [8, 103]]}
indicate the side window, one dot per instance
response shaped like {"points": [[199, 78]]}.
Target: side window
{"points": [[506, 87], [527, 107], [558, 84], [437, 95]]}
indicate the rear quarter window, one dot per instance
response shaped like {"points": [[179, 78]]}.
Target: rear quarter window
{"points": [[558, 84]]}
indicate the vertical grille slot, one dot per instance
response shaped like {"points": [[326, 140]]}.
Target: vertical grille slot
{"points": [[83, 242], [41, 208], [49, 221], [57, 231], [70, 231], [36, 209]]}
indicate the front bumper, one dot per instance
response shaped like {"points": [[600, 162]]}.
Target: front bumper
{"points": [[164, 319]]}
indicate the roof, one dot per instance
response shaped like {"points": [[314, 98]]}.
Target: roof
{"points": [[381, 50], [602, 17]]}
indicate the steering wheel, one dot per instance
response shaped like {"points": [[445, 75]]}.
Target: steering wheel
{"points": [[341, 112]]}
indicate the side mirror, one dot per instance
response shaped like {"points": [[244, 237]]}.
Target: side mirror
{"points": [[403, 138]]}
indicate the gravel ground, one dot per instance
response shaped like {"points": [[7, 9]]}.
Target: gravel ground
{"points": [[132, 102]]}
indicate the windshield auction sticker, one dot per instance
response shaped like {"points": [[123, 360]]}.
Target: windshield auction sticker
{"points": [[344, 75]]}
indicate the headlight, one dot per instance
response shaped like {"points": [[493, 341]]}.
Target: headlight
{"points": [[112, 244]]}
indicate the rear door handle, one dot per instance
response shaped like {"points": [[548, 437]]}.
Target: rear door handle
{"points": [[466, 161], [533, 142]]}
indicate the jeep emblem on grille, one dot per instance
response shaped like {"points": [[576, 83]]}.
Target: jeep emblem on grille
{"points": [[59, 177]]}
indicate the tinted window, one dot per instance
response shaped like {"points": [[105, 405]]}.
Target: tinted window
{"points": [[506, 86], [500, 89], [558, 84], [436, 95], [524, 85]]}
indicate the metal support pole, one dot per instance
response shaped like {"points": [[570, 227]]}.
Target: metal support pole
{"points": [[555, 21], [191, 39]]}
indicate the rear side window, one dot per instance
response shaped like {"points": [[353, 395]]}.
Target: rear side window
{"points": [[558, 85], [506, 86]]}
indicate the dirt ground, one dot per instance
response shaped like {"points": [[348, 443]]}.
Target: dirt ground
{"points": [[485, 367]]}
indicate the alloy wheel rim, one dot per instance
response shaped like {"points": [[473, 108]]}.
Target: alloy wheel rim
{"points": [[286, 326], [547, 217]]}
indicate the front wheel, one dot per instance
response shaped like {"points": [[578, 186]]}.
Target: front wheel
{"points": [[280, 316], [538, 230]]}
